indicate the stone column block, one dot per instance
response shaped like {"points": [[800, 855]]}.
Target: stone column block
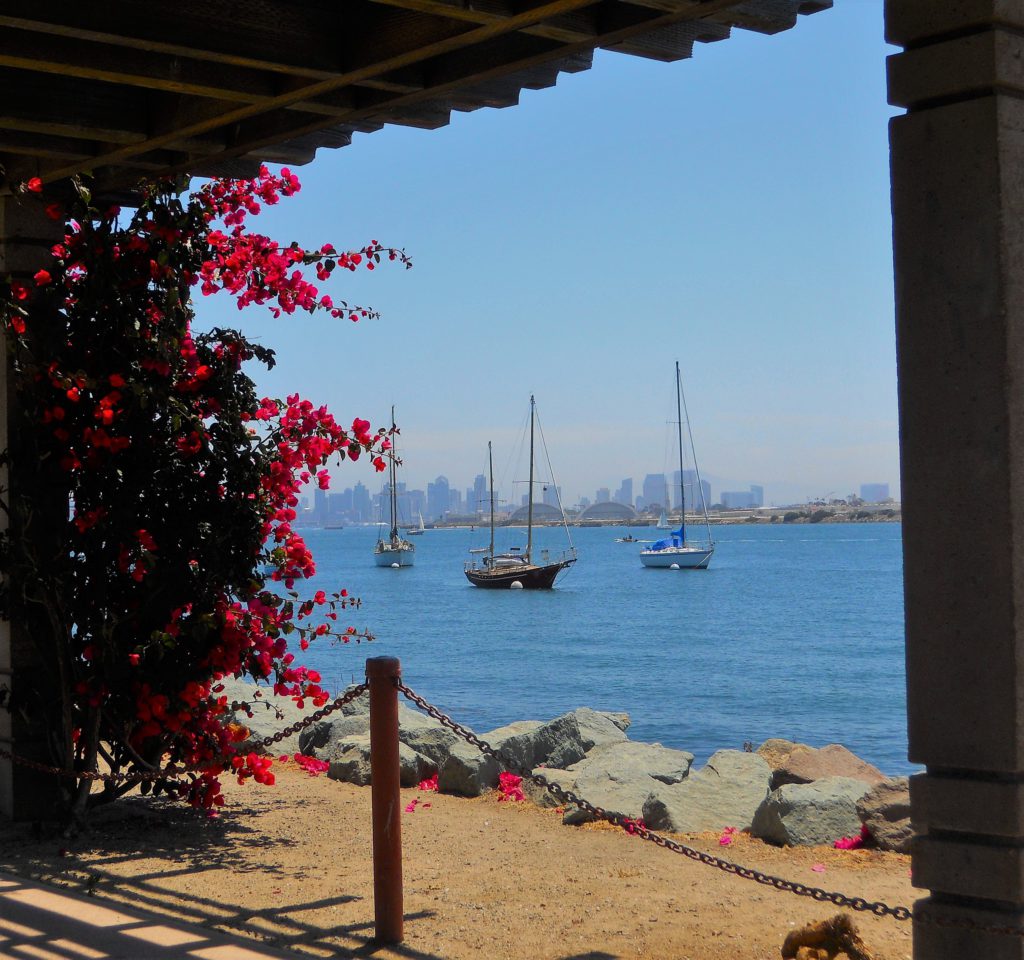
{"points": [[958, 242]]}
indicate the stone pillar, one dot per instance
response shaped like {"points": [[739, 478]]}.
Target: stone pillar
{"points": [[958, 234], [26, 235]]}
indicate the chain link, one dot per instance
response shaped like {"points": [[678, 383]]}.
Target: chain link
{"points": [[630, 825], [173, 771]]}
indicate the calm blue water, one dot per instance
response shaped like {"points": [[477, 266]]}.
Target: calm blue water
{"points": [[794, 631]]}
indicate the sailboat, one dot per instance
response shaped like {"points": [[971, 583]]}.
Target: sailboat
{"points": [[516, 570], [416, 531], [395, 551], [662, 523], [677, 551]]}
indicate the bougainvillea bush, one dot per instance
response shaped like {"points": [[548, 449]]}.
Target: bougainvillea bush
{"points": [[154, 491]]}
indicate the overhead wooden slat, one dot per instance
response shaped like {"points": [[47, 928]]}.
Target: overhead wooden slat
{"points": [[271, 128], [124, 86]]}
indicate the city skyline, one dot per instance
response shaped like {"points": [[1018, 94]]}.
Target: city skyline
{"points": [[731, 212], [441, 497]]}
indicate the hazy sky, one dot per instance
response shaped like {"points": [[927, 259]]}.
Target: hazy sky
{"points": [[730, 211]]}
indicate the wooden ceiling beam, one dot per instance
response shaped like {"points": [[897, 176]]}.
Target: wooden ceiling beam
{"points": [[270, 129], [64, 57], [413, 55], [189, 29], [585, 26]]}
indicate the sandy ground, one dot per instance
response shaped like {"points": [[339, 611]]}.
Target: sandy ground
{"points": [[291, 865]]}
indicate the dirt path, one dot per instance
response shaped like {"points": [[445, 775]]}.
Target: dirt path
{"points": [[291, 865]]}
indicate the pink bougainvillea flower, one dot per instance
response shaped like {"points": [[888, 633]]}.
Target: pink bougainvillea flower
{"points": [[410, 807], [43, 278], [818, 868], [34, 185], [312, 765], [727, 837], [510, 787], [429, 785]]}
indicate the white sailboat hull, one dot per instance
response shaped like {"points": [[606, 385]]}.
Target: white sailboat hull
{"points": [[685, 558], [388, 554]]}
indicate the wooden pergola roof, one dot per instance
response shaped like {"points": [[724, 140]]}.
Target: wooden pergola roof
{"points": [[127, 89]]}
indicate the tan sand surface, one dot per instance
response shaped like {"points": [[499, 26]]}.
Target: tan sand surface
{"points": [[290, 865]]}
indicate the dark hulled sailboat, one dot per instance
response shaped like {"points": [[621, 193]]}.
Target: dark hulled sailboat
{"points": [[514, 570]]}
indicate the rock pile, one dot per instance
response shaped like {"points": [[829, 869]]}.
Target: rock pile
{"points": [[785, 793]]}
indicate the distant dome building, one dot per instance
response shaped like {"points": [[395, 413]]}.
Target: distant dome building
{"points": [[542, 513], [608, 511]]}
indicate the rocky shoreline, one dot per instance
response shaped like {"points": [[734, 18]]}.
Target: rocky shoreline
{"points": [[782, 792]]}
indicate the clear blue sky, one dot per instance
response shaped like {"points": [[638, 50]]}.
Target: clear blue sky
{"points": [[730, 211]]}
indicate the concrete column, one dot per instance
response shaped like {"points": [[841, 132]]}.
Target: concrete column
{"points": [[26, 235], [958, 231]]}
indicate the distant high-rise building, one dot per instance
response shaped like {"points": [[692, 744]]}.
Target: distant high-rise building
{"points": [[584, 503], [551, 494], [361, 506], [603, 495], [737, 499], [655, 490], [438, 498], [455, 501], [625, 493], [758, 493], [319, 507], [697, 496], [874, 492], [480, 502]]}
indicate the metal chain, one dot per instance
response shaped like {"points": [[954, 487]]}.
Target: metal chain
{"points": [[636, 828], [172, 771]]}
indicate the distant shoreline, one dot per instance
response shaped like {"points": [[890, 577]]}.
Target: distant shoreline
{"points": [[767, 519]]}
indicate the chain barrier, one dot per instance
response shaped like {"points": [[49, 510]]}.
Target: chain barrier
{"points": [[172, 772], [632, 826]]}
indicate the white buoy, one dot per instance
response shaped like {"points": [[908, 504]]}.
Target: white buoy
{"points": [[515, 585], [395, 566], [675, 566]]}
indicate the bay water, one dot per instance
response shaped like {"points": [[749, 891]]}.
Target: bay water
{"points": [[794, 631]]}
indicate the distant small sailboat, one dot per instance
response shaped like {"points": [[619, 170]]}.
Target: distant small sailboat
{"points": [[416, 531], [676, 551], [662, 523], [395, 551], [515, 570]]}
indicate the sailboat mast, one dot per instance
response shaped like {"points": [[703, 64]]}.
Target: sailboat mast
{"points": [[529, 497], [682, 481], [392, 475], [490, 471]]}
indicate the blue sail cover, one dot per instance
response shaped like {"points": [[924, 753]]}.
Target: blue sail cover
{"points": [[675, 539]]}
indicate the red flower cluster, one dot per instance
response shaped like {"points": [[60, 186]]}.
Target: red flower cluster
{"points": [[182, 484], [510, 787]]}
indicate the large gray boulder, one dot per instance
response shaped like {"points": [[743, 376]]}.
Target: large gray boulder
{"points": [[632, 760], [423, 734], [539, 795], [270, 714], [569, 738], [350, 762], [467, 772], [834, 760], [516, 742], [726, 792], [621, 776], [885, 811], [807, 814]]}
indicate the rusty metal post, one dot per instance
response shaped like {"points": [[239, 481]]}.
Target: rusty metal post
{"points": [[386, 801]]}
